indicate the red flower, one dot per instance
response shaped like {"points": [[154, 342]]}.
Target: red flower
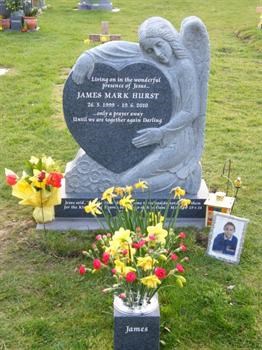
{"points": [[124, 252], [160, 273], [180, 268], [11, 180], [41, 176], [139, 244], [182, 235], [97, 264], [54, 179], [130, 277], [183, 247], [105, 258], [173, 257], [82, 269]]}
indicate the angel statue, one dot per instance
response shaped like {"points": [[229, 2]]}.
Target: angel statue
{"points": [[184, 59]]}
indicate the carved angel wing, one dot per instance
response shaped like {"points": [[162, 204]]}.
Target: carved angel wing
{"points": [[194, 37]]}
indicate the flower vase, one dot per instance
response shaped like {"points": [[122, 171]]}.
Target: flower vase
{"points": [[136, 328]]}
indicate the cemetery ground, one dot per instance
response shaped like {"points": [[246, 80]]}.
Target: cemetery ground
{"points": [[44, 304]]}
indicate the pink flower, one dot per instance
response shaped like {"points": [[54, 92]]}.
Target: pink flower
{"points": [[108, 234], [82, 269], [124, 252], [152, 237], [131, 277], [183, 247], [182, 235], [139, 244], [105, 258], [113, 271], [180, 268], [122, 296], [160, 272], [98, 237], [97, 264], [173, 257]]}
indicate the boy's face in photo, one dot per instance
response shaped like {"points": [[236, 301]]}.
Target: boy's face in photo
{"points": [[229, 231]]}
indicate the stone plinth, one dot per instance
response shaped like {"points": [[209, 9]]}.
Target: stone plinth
{"points": [[70, 215]]}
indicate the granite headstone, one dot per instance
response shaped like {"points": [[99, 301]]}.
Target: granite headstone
{"points": [[105, 113], [95, 5], [3, 10], [138, 112]]}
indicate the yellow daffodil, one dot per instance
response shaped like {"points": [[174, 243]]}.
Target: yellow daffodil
{"points": [[162, 257], [150, 281], [127, 202], [180, 280], [143, 185], [122, 269], [128, 189], [158, 232], [93, 207], [119, 191], [108, 195], [122, 235], [238, 182], [146, 262], [178, 192], [184, 203]]}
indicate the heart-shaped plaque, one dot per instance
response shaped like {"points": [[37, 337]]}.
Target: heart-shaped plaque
{"points": [[105, 112]]}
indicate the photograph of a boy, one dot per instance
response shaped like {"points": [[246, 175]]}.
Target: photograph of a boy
{"points": [[226, 242]]}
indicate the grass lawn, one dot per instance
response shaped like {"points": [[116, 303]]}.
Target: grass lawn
{"points": [[43, 303]]}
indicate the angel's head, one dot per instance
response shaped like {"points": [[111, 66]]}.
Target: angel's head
{"points": [[160, 40]]}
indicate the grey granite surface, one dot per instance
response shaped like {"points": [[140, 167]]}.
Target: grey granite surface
{"points": [[164, 141]]}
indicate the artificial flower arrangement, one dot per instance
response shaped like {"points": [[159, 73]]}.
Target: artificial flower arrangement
{"points": [[142, 251], [39, 186]]}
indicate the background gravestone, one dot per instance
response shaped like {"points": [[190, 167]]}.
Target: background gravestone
{"points": [[3, 9], [95, 5]]}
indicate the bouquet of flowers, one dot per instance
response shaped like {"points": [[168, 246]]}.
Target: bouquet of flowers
{"points": [[140, 258], [39, 186]]}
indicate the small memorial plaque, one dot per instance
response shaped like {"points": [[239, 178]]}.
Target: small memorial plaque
{"points": [[106, 111], [136, 332]]}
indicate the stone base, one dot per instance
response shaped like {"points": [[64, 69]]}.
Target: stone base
{"points": [[70, 215], [90, 224]]}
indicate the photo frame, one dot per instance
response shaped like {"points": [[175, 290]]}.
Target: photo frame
{"points": [[226, 237]]}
